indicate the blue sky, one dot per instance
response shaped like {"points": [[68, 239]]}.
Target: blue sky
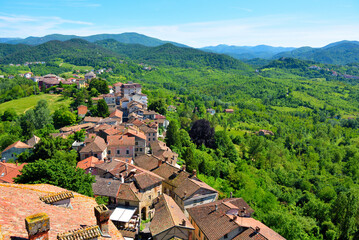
{"points": [[197, 23]]}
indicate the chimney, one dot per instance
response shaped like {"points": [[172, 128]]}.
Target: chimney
{"points": [[16, 162], [231, 194], [159, 162], [184, 167], [194, 173], [38, 226], [184, 194], [258, 229], [102, 215], [216, 207], [183, 222], [126, 167], [122, 179]]}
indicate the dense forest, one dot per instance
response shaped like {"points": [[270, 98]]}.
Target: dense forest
{"points": [[302, 180]]}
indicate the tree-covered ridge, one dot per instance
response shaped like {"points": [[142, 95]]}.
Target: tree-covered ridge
{"points": [[340, 53], [170, 55], [75, 51]]}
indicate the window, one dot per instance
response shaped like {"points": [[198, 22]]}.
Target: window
{"points": [[118, 151], [149, 139], [199, 233], [95, 155], [127, 203], [149, 197], [127, 151], [158, 193], [225, 235], [153, 134], [109, 152], [140, 149], [136, 149], [136, 143], [153, 139]]}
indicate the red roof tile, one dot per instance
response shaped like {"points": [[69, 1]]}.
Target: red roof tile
{"points": [[18, 201], [82, 110], [89, 162]]}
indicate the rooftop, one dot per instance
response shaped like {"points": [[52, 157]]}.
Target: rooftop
{"points": [[18, 201], [168, 215]]}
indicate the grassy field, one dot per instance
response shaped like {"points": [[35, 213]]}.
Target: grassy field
{"points": [[23, 104]]}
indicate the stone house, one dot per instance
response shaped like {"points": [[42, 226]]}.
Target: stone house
{"points": [[96, 147], [11, 152], [233, 215], [169, 221]]}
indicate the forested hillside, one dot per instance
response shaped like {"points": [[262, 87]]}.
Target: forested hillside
{"points": [[340, 53], [302, 179]]}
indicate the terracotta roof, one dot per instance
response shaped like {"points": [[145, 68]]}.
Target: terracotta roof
{"points": [[143, 177], [167, 215], [146, 129], [89, 162], [190, 186], [23, 200], [117, 113], [120, 140], [97, 145], [93, 119], [214, 223], [33, 141], [137, 122], [253, 223], [102, 127], [250, 234], [90, 74], [106, 187], [17, 144], [147, 161], [171, 174], [111, 131], [55, 197], [145, 180], [86, 233], [159, 116], [81, 110], [127, 192], [10, 172], [149, 113], [118, 84], [136, 133], [77, 127]]}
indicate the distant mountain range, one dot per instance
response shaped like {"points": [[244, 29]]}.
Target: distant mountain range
{"points": [[340, 53], [246, 52], [132, 38]]}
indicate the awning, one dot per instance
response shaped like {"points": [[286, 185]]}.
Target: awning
{"points": [[123, 213]]}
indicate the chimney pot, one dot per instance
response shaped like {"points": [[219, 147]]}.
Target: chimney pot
{"points": [[159, 162], [216, 207], [38, 226], [183, 222], [102, 215], [194, 172], [258, 229]]}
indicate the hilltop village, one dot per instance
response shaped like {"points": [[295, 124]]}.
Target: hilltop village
{"points": [[149, 195]]}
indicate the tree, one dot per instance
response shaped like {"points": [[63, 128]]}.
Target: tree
{"points": [[100, 85], [63, 117], [202, 133], [58, 172], [172, 137], [42, 114], [9, 115], [27, 123], [102, 108], [158, 106]]}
